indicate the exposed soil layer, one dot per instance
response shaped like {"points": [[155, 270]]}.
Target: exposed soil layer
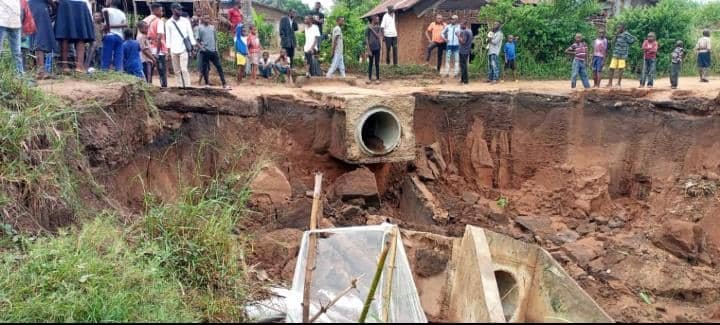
{"points": [[620, 188]]}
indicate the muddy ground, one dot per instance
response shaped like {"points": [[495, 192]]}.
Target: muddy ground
{"points": [[620, 186]]}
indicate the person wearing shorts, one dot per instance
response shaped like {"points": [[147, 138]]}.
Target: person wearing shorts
{"points": [[623, 39], [702, 48], [241, 51], [282, 65], [600, 46]]}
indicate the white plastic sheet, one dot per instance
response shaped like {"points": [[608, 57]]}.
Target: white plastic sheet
{"points": [[344, 254]]}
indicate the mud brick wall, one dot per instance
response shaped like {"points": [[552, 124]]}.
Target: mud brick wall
{"points": [[411, 33]]}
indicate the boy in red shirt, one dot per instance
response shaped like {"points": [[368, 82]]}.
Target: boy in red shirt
{"points": [[650, 48], [235, 15]]}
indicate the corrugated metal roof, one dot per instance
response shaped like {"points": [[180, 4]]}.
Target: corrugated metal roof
{"points": [[399, 5]]}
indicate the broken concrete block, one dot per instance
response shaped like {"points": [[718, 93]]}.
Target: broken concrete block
{"points": [[369, 129], [418, 205], [357, 184]]}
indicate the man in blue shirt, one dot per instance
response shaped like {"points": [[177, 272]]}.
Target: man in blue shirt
{"points": [[509, 50], [450, 35]]}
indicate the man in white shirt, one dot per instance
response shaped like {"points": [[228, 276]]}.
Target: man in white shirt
{"points": [[177, 29], [115, 21], [10, 25], [390, 34], [312, 34]]}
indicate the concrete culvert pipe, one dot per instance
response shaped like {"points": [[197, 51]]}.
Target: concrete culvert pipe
{"points": [[378, 131]]}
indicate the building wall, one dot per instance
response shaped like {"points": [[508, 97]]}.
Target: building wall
{"points": [[411, 33]]}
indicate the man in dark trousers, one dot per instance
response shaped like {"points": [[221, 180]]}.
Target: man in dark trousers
{"points": [[390, 35], [288, 27]]}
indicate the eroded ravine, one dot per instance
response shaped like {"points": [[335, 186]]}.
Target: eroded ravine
{"points": [[612, 184]]}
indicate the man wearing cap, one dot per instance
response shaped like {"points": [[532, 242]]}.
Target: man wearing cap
{"points": [[390, 34], [450, 35], [177, 29]]}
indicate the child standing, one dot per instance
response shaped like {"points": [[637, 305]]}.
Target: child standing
{"points": [[131, 62], [509, 50], [623, 39], [146, 57], [676, 59], [241, 51], [254, 48], [650, 48], [373, 39], [580, 51], [600, 47]]}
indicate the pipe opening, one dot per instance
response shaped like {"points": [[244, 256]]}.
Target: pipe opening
{"points": [[508, 288], [379, 131]]}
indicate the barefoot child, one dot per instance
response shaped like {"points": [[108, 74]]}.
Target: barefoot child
{"points": [[650, 48], [580, 51], [254, 49], [265, 67], [623, 39], [282, 65], [676, 63], [702, 48], [241, 51], [148, 60], [600, 47]]}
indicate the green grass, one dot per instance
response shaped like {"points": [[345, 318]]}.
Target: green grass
{"points": [[91, 276]]}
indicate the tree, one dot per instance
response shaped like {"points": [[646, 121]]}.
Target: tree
{"points": [[246, 8]]}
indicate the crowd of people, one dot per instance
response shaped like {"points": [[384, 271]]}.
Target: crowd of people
{"points": [[52, 26]]}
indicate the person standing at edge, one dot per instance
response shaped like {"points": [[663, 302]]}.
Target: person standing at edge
{"points": [[373, 41], [494, 45], [580, 52], [676, 59], [600, 47], [338, 62], [44, 38], [702, 48], [650, 48], [178, 29], [207, 39], [319, 18], [434, 37], [390, 34], [450, 35], [312, 33], [11, 25], [465, 37], [74, 25], [623, 39], [156, 36], [115, 22], [288, 27]]}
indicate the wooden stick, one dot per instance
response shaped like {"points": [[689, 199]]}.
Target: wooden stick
{"points": [[312, 249], [387, 289], [316, 202], [374, 285], [353, 285]]}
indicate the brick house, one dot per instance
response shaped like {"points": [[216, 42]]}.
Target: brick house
{"points": [[414, 16]]}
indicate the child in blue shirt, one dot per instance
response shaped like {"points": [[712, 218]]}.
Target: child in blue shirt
{"points": [[131, 55], [509, 50]]}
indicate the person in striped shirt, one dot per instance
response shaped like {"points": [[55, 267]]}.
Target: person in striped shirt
{"points": [[580, 52]]}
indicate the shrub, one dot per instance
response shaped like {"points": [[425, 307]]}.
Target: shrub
{"points": [[265, 29], [545, 30]]}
